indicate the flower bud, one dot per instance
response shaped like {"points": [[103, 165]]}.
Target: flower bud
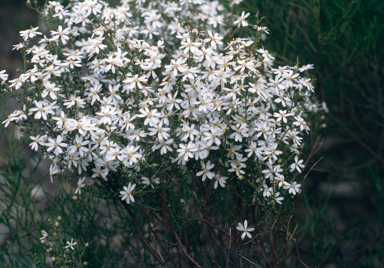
{"points": [[53, 259], [29, 101], [60, 219], [44, 233]]}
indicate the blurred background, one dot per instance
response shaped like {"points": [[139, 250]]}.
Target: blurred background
{"points": [[340, 215]]}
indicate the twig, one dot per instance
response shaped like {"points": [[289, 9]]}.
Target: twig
{"points": [[171, 227], [294, 231], [298, 254], [249, 261], [229, 250], [306, 175], [133, 219], [255, 237], [210, 224]]}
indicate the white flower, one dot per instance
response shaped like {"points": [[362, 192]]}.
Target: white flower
{"points": [[146, 180], [127, 193], [186, 151], [278, 198], [298, 165], [151, 116], [56, 144], [306, 67], [61, 34], [42, 110], [160, 131], [245, 229], [71, 244], [282, 115], [80, 185], [292, 188], [241, 21], [38, 140], [206, 167], [30, 33], [220, 180]]}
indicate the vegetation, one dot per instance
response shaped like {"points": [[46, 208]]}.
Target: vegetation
{"points": [[338, 219]]}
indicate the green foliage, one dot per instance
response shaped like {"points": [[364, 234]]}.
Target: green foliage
{"points": [[342, 38]]}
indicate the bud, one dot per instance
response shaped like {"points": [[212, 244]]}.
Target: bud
{"points": [[86, 245], [18, 70], [57, 225], [60, 219], [29, 4], [29, 101], [182, 201], [44, 233], [85, 263], [49, 221], [53, 259]]}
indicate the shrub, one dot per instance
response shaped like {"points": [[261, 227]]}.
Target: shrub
{"points": [[193, 136]]}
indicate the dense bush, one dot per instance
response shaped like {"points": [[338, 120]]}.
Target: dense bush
{"points": [[141, 104]]}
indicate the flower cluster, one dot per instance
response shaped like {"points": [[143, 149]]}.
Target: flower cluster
{"points": [[60, 250], [112, 91]]}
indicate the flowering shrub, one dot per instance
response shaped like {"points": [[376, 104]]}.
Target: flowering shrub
{"points": [[156, 105]]}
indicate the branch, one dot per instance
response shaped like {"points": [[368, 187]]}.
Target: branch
{"points": [[171, 227], [133, 219], [210, 224], [298, 254]]}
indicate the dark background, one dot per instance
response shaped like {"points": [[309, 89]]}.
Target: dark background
{"points": [[340, 216]]}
